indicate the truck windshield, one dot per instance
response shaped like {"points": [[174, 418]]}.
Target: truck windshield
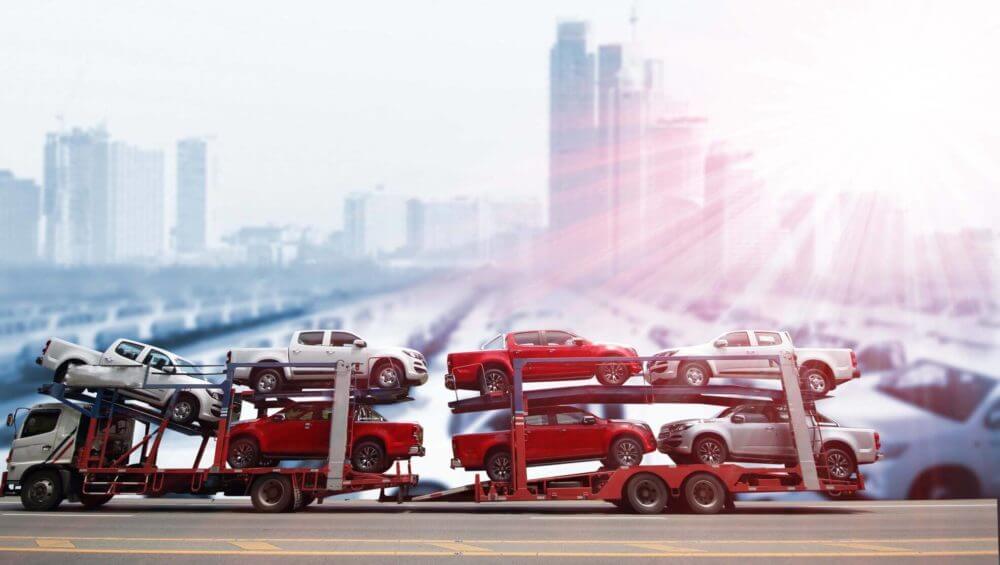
{"points": [[947, 391]]}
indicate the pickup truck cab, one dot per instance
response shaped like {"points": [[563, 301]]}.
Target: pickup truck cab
{"points": [[386, 367], [822, 369], [125, 365], [619, 443], [41, 464], [491, 368]]}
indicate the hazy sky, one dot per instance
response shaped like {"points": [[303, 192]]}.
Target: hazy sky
{"points": [[310, 101]]}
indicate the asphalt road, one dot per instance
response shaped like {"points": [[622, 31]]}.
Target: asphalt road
{"points": [[227, 531]]}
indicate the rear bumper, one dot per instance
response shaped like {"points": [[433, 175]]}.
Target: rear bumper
{"points": [[417, 450]]}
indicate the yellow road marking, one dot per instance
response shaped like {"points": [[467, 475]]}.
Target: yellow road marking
{"points": [[255, 545], [458, 547], [870, 546], [54, 543], [664, 548], [550, 541]]}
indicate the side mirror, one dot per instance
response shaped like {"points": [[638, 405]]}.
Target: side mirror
{"points": [[278, 418], [10, 420], [578, 341], [589, 420], [739, 419], [360, 343], [721, 343], [169, 369]]}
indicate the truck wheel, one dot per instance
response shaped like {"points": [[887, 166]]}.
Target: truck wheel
{"points": [[92, 501], [625, 452], [816, 379], [42, 491], [494, 380], [500, 466], [694, 374], [368, 457], [704, 494], [837, 463], [267, 381], [612, 374], [388, 375], [710, 450], [273, 493], [646, 493], [243, 453], [185, 409]]}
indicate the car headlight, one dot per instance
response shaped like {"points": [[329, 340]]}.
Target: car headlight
{"points": [[414, 354], [215, 394], [680, 427]]}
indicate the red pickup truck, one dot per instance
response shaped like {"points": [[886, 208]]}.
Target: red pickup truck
{"points": [[557, 434], [302, 431], [490, 369]]}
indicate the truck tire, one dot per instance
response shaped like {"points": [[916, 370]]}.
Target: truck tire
{"points": [[705, 494], [836, 462], [693, 374], [273, 493], [94, 501], [387, 375], [816, 380], [646, 493], [185, 408], [625, 451], [369, 456], [43, 491], [267, 380]]}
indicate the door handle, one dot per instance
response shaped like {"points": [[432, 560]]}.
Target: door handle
{"points": [[328, 352], [46, 447], [296, 351], [769, 428], [552, 351], [308, 426]]}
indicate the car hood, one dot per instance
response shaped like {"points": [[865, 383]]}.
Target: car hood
{"points": [[690, 421], [639, 423]]}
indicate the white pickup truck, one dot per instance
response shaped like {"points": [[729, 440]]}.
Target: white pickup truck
{"points": [[386, 367], [822, 369], [126, 365]]}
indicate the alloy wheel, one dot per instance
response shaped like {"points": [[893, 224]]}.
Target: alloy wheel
{"points": [[501, 467], [267, 382], [243, 455], [627, 453], [369, 459], [388, 377], [838, 465], [182, 411], [710, 452], [613, 374], [694, 375], [495, 381], [817, 382]]}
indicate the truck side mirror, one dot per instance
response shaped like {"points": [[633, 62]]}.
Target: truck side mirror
{"points": [[169, 369], [577, 341], [10, 420], [589, 420], [278, 418], [721, 343], [739, 419], [360, 343]]}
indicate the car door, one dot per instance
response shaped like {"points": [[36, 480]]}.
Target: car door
{"points": [[286, 432], [559, 344], [753, 436], [527, 345], [768, 343], [342, 348], [541, 438], [123, 359], [588, 439], [157, 361], [737, 343], [37, 439], [308, 347], [780, 442]]}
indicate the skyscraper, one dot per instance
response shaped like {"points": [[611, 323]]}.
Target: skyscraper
{"points": [[137, 202], [20, 217], [194, 178], [571, 126], [79, 222], [375, 223]]}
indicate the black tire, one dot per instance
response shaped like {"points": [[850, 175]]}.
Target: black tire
{"points": [[837, 463], [710, 450], [43, 491], [646, 493], [612, 374], [816, 381], [695, 373], [369, 456], [185, 409], [387, 375], [705, 494], [93, 501], [307, 499], [494, 379], [268, 380], [273, 493], [622, 504], [500, 466], [625, 451], [244, 453]]}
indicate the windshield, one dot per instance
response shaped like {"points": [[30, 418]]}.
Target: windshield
{"points": [[946, 391], [495, 343], [189, 369]]}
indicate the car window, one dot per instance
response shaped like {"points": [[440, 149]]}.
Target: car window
{"points": [[40, 422], [992, 420], [944, 390], [311, 338], [363, 414], [537, 420], [493, 344], [767, 338], [737, 339], [129, 350], [297, 413], [340, 339], [156, 359], [570, 417], [558, 338], [526, 338]]}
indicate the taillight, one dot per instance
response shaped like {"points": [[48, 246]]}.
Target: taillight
{"points": [[878, 441], [418, 434], [854, 359], [46, 348], [229, 357]]}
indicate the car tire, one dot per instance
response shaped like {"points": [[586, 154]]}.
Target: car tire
{"points": [[369, 456], [43, 491], [704, 493], [710, 450], [646, 493], [494, 379], [500, 466], [268, 380], [612, 374], [244, 453], [387, 375], [695, 373], [815, 380], [60, 374], [837, 463], [273, 493], [185, 409], [945, 483], [94, 501], [625, 451]]}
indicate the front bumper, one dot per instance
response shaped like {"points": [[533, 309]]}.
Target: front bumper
{"points": [[665, 370]]}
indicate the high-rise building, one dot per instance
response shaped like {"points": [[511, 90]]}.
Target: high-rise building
{"points": [[20, 218], [571, 127], [79, 223], [673, 182], [194, 181], [137, 203], [416, 225], [375, 223]]}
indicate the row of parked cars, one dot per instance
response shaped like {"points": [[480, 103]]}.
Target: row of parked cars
{"points": [[750, 432]]}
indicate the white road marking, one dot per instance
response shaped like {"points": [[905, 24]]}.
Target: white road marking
{"points": [[67, 514]]}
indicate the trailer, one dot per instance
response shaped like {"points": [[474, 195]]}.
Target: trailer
{"points": [[91, 463], [649, 489]]}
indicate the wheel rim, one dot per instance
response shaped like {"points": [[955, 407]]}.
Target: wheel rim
{"points": [[501, 467], [647, 493], [627, 453], [243, 454], [182, 411], [694, 375], [267, 382], [41, 491], [710, 452], [369, 458], [838, 465], [613, 374], [388, 377], [703, 493], [496, 381], [817, 382], [271, 492]]}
